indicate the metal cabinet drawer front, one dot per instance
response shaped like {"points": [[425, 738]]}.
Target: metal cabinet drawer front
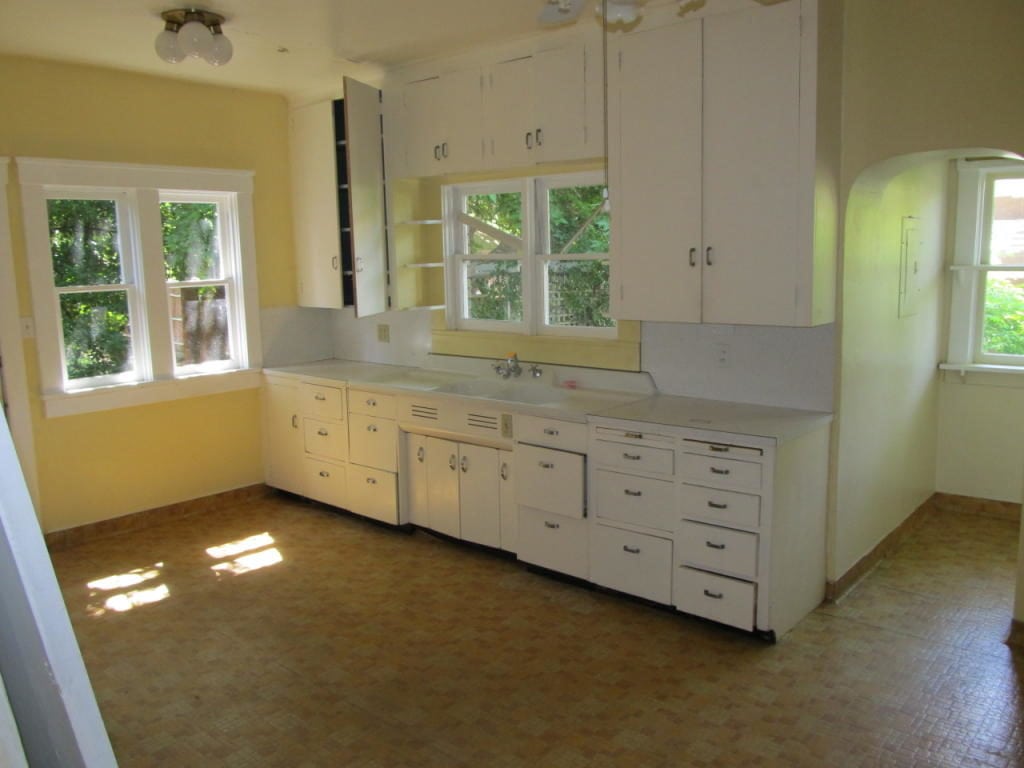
{"points": [[325, 438], [727, 507], [718, 549], [635, 500], [373, 442], [718, 598], [554, 541], [727, 450], [721, 473], [372, 403], [373, 493], [326, 482], [322, 402], [632, 563], [550, 480], [565, 435], [633, 458]]}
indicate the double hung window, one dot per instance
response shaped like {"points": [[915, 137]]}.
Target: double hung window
{"points": [[530, 255], [987, 311], [140, 275]]}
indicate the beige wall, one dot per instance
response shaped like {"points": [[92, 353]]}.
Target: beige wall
{"points": [[888, 386], [112, 463]]}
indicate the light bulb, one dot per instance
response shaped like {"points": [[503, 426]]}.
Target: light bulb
{"points": [[195, 39], [220, 51], [619, 12], [167, 47]]}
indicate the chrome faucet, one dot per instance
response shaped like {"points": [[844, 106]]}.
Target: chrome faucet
{"points": [[508, 367]]}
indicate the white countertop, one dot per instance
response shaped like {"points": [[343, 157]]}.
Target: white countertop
{"points": [[543, 397]]}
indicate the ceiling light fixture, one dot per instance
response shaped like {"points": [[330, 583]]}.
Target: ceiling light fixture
{"points": [[556, 12], [619, 13], [193, 33]]}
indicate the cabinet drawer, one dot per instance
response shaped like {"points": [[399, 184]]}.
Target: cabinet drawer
{"points": [[553, 541], [722, 473], [728, 601], [633, 458], [326, 482], [728, 450], [636, 500], [727, 507], [325, 438], [372, 403], [718, 549], [566, 435], [322, 402], [373, 442], [550, 480], [631, 562], [373, 493]]}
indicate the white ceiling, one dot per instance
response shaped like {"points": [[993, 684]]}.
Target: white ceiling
{"points": [[325, 39]]}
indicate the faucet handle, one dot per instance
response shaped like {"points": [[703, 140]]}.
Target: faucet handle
{"points": [[536, 370]]}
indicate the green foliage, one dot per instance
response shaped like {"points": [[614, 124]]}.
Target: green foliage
{"points": [[191, 249], [569, 209], [578, 294], [495, 290], [1004, 318]]}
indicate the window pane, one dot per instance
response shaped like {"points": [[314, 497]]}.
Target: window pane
{"points": [[577, 294], [578, 219], [199, 324], [1006, 240], [503, 213], [494, 290], [84, 242], [1003, 330], [97, 333], [191, 243]]}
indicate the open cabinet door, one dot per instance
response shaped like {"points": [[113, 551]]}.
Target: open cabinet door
{"points": [[11, 752], [41, 667]]}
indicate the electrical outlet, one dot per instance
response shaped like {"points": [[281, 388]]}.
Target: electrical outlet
{"points": [[723, 357], [384, 333]]}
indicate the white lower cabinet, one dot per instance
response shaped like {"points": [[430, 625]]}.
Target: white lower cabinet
{"points": [[463, 489], [630, 562], [283, 437], [507, 499], [719, 598], [413, 480], [326, 482], [555, 542], [373, 493], [479, 498]]}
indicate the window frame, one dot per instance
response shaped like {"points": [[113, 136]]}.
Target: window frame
{"points": [[142, 188], [975, 184], [533, 258]]}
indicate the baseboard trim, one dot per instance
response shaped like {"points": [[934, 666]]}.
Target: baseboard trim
{"points": [[1016, 636], [69, 537], [971, 505]]}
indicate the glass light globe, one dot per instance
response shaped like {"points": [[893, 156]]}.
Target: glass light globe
{"points": [[221, 50], [194, 39], [167, 47]]}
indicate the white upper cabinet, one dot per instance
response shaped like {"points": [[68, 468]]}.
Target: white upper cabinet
{"points": [[440, 124], [719, 183], [338, 202], [535, 109]]}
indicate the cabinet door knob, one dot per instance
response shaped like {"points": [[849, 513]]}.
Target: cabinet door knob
{"points": [[712, 595], [631, 550], [529, 140], [451, 462], [707, 255], [295, 421], [371, 481], [540, 136], [420, 454], [322, 432], [437, 151], [444, 149], [504, 471], [324, 473], [372, 403], [334, 263], [713, 545], [693, 257], [371, 428], [464, 464], [320, 396]]}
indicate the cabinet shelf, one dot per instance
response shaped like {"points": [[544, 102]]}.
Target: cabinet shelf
{"points": [[417, 222], [425, 265]]}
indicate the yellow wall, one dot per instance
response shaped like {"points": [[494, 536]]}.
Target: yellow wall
{"points": [[112, 463]]}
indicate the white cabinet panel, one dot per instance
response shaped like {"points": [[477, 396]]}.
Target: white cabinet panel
{"points": [[443, 486], [322, 402], [479, 500], [328, 439], [372, 403], [630, 562], [550, 480], [326, 482], [636, 500], [415, 479], [373, 442], [509, 113], [723, 473], [553, 541], [718, 598], [633, 458], [718, 549], [564, 435], [282, 435], [507, 496], [441, 124], [726, 507], [373, 493]]}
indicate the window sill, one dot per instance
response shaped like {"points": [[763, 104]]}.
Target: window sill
{"points": [[980, 368], [148, 392]]}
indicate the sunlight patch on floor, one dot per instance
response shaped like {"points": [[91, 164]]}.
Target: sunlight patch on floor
{"points": [[233, 548], [129, 598], [250, 562]]}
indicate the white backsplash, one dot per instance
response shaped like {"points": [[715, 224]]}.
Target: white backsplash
{"points": [[293, 335]]}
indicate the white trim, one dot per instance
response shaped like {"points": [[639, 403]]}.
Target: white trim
{"points": [[13, 349], [84, 173], [148, 392], [980, 368]]}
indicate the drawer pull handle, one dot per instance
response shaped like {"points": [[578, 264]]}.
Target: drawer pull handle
{"points": [[372, 403], [551, 432], [464, 464], [324, 473], [553, 526], [420, 454], [545, 465], [371, 481], [716, 505], [322, 432], [451, 462], [632, 456], [504, 471], [719, 448], [631, 550], [628, 492], [635, 435], [713, 545], [320, 396], [713, 595], [295, 421], [718, 471], [371, 428]]}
